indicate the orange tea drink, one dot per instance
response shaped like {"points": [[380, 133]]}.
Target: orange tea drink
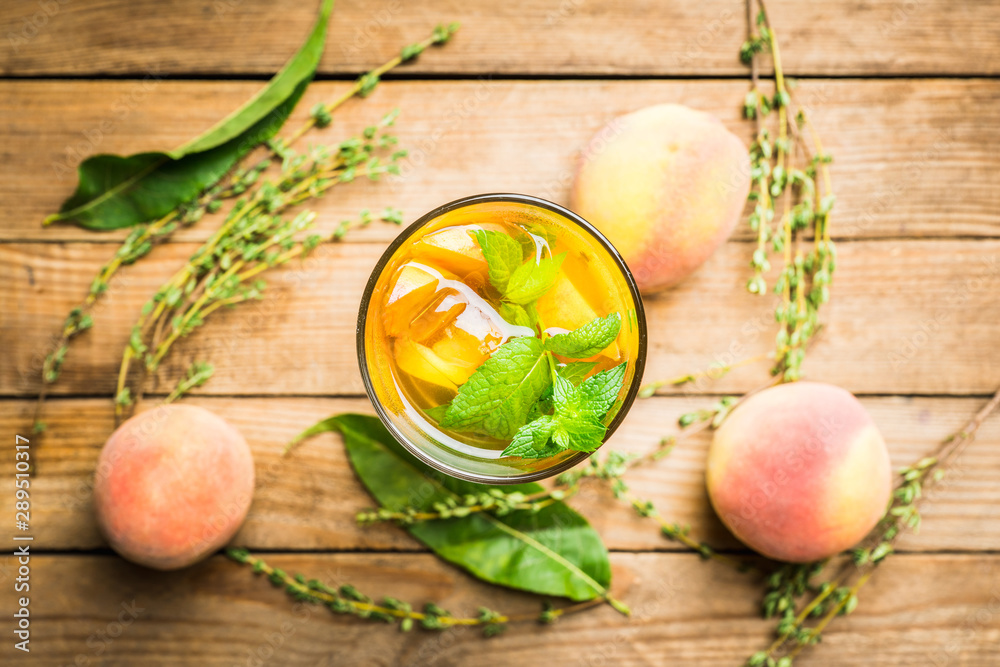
{"points": [[501, 338]]}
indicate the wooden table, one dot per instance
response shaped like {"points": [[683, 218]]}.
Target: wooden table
{"points": [[903, 92]]}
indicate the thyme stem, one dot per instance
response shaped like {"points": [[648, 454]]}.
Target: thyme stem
{"points": [[348, 600]]}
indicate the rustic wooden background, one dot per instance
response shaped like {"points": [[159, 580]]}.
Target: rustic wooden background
{"points": [[905, 94]]}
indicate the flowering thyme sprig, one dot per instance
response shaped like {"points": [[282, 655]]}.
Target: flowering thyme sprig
{"points": [[143, 238], [255, 237], [806, 197], [346, 599]]}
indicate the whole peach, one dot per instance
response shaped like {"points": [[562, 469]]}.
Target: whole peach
{"points": [[666, 184], [173, 484], [799, 472]]}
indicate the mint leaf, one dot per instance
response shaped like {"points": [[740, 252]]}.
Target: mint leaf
{"points": [[577, 426], [533, 279], [532, 440], [565, 395], [588, 340], [586, 432], [503, 256], [574, 426], [437, 412], [600, 392], [515, 314], [576, 371], [497, 397], [548, 436], [543, 406]]}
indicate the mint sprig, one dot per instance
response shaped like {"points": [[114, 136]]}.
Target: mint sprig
{"points": [[496, 399], [503, 256], [576, 371], [588, 340], [519, 283], [533, 279], [522, 393], [578, 419]]}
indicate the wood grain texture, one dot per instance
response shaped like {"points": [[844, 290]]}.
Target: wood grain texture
{"points": [[918, 610], [308, 501], [909, 317], [565, 37], [912, 157]]}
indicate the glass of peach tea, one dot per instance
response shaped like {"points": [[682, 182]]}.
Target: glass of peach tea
{"points": [[501, 338]]}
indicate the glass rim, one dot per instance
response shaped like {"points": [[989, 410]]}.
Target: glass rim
{"points": [[640, 359]]}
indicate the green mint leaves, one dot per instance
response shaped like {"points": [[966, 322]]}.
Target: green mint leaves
{"points": [[503, 256], [519, 283], [497, 397], [512, 393], [577, 422], [531, 280], [576, 371], [588, 340], [522, 393]]}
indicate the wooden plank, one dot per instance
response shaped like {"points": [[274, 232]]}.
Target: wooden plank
{"points": [[907, 317], [938, 609], [308, 501], [913, 157], [518, 37]]}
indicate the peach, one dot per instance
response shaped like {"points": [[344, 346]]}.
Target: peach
{"points": [[799, 472], [666, 184], [565, 306], [173, 485], [454, 249]]}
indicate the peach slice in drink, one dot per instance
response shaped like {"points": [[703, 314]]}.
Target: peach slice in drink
{"points": [[454, 249], [464, 353], [566, 306]]}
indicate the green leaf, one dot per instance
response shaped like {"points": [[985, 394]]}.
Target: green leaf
{"points": [[576, 371], [601, 391], [115, 192], [324, 426], [515, 314], [532, 440], [576, 424], [553, 551], [533, 279], [496, 399], [503, 256], [438, 412], [567, 397], [588, 340], [585, 431]]}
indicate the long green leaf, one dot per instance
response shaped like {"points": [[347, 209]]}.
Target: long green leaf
{"points": [[115, 192], [553, 551]]}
